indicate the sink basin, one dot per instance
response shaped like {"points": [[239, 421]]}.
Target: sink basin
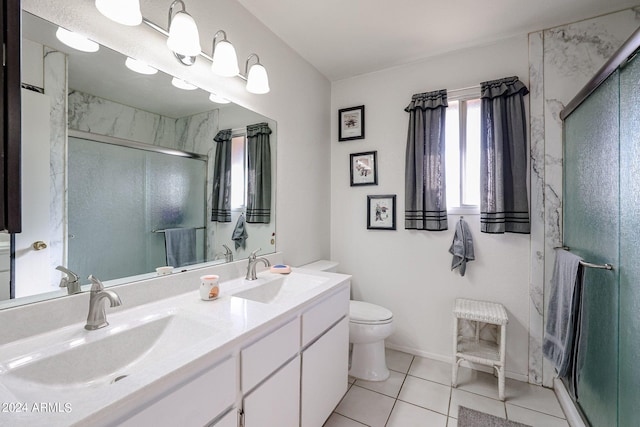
{"points": [[281, 288], [79, 358]]}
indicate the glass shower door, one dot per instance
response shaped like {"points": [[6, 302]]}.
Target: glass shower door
{"points": [[591, 230], [628, 405]]}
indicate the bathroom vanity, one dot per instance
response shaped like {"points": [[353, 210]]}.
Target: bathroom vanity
{"points": [[280, 341]]}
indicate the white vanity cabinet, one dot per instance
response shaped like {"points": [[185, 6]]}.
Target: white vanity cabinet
{"points": [[195, 403], [325, 358]]}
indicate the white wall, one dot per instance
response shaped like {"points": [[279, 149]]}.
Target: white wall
{"points": [[408, 271], [298, 101]]}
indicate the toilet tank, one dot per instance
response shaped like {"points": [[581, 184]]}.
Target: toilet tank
{"points": [[322, 265]]}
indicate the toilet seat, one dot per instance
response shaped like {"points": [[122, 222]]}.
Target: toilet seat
{"points": [[365, 313]]}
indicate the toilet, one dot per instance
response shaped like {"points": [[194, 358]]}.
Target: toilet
{"points": [[369, 326]]}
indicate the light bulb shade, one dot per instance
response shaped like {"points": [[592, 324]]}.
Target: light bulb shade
{"points": [[225, 60], [76, 41], [257, 80], [218, 99], [125, 12], [139, 66], [183, 35], [181, 84]]}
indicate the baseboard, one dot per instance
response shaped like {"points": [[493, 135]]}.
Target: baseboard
{"points": [[447, 359], [570, 411]]}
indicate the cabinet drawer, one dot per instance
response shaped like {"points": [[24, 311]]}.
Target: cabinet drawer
{"points": [[319, 318], [263, 357], [194, 404]]}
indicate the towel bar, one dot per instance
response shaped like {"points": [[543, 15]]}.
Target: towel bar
{"points": [[602, 266], [162, 231], [606, 266]]}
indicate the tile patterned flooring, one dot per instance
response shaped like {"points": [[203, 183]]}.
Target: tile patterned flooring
{"points": [[419, 393]]}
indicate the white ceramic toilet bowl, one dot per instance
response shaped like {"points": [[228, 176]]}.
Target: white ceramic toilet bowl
{"points": [[369, 325]]}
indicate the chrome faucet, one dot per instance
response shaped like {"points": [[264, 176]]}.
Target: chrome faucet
{"points": [[251, 267], [97, 317], [71, 281], [228, 255]]}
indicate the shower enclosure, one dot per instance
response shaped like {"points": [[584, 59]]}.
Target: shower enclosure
{"points": [[602, 224], [120, 199]]}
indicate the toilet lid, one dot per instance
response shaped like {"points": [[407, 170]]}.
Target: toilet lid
{"points": [[364, 312]]}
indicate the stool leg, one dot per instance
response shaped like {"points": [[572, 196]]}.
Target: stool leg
{"points": [[454, 367], [503, 347], [501, 383]]}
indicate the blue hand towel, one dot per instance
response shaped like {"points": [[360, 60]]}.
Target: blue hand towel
{"points": [[462, 247], [180, 244], [240, 235], [562, 309]]}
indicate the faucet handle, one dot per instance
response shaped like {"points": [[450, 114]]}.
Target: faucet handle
{"points": [[97, 285], [227, 250], [72, 277], [253, 254]]}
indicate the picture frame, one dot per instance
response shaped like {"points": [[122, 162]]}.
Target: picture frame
{"points": [[381, 212], [351, 123], [364, 168]]}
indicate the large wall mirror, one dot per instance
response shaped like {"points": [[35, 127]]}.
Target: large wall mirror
{"points": [[119, 173]]}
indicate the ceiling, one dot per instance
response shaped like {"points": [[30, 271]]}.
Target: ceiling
{"points": [[345, 38]]}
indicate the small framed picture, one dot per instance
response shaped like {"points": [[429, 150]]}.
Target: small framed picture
{"points": [[364, 168], [351, 123], [381, 212]]}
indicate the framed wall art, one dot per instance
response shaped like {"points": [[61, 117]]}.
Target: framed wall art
{"points": [[351, 123], [381, 212], [364, 168]]}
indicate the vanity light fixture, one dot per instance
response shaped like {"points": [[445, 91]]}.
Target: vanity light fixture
{"points": [[184, 40], [139, 66], [257, 79], [218, 99], [76, 41], [125, 12], [182, 84], [224, 59]]}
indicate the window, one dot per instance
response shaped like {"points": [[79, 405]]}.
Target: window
{"points": [[238, 162], [462, 139]]}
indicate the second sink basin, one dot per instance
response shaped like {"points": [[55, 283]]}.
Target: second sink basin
{"points": [[276, 289]]}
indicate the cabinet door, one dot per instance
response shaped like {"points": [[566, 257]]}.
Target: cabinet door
{"points": [[324, 374], [276, 402]]}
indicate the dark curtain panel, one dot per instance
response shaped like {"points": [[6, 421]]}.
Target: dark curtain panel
{"points": [[221, 195], [425, 190], [259, 174], [503, 166]]}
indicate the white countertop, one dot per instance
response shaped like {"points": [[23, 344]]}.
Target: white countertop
{"points": [[231, 320]]}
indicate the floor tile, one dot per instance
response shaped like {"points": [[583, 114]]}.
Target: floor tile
{"points": [[397, 360], [432, 370], [390, 387], [452, 422], [337, 420], [475, 401], [533, 397], [533, 418], [408, 415], [366, 406], [427, 394], [479, 382]]}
